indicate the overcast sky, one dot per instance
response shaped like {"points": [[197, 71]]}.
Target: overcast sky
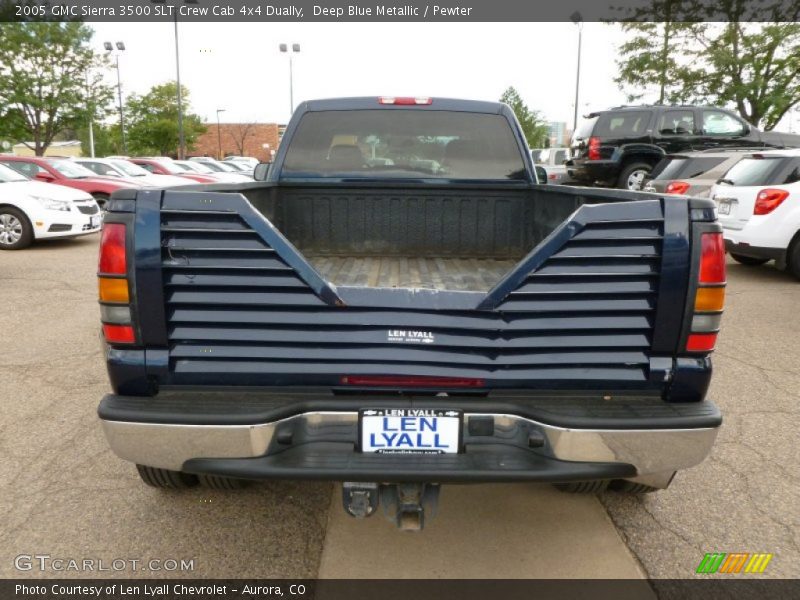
{"points": [[238, 66]]}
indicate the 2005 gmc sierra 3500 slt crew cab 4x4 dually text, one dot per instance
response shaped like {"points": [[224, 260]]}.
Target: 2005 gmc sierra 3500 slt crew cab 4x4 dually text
{"points": [[397, 304]]}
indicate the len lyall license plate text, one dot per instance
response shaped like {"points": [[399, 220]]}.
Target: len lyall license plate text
{"points": [[410, 431]]}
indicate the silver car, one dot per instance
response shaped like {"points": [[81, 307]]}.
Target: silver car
{"points": [[693, 173], [552, 159]]}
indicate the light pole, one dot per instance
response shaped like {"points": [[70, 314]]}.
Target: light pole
{"points": [[181, 138], [219, 135], [120, 48], [295, 48], [90, 110], [578, 20]]}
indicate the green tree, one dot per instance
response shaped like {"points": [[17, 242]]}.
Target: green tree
{"points": [[107, 139], [650, 59], [756, 68], [47, 83], [752, 66], [152, 121], [533, 125]]}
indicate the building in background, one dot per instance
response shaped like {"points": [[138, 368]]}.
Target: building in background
{"points": [[67, 148], [240, 139], [558, 134]]}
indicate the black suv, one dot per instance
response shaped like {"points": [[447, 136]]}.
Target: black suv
{"points": [[620, 146]]}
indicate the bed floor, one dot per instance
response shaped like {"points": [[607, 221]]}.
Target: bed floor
{"points": [[462, 274]]}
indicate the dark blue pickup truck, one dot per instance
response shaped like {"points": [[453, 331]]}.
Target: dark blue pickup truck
{"points": [[400, 304]]}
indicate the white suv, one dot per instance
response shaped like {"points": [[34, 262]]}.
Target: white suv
{"points": [[758, 204]]}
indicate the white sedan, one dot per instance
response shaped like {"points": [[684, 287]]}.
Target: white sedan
{"points": [[31, 210]]}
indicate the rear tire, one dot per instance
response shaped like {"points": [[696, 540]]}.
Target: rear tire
{"points": [[748, 260], [583, 487], [630, 487], [632, 175], [217, 482], [793, 257], [166, 479], [16, 232]]}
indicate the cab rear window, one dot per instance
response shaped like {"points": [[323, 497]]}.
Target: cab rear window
{"points": [[401, 143]]}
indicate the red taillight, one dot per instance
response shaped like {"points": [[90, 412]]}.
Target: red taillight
{"points": [[701, 342], [594, 148], [119, 334], [712, 258], [768, 200], [710, 296], [677, 187], [404, 382], [112, 250], [113, 286], [407, 101]]}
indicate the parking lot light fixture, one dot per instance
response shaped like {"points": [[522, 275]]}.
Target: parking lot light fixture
{"points": [[219, 135], [294, 49], [120, 47]]}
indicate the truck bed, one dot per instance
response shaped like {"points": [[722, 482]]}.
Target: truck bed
{"points": [[460, 274]]}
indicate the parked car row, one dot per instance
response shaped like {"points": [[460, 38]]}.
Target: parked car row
{"points": [[160, 165], [621, 146], [701, 151], [757, 196], [46, 197]]}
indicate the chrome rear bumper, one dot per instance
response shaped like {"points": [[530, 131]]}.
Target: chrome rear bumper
{"points": [[654, 453]]}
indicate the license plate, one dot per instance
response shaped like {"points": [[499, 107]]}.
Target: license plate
{"points": [[724, 207], [94, 221], [410, 431]]}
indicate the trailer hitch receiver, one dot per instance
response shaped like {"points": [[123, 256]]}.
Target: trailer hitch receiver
{"points": [[407, 505], [410, 505]]}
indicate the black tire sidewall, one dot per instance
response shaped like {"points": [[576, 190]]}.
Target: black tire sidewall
{"points": [[750, 261], [622, 180], [27, 230], [793, 258]]}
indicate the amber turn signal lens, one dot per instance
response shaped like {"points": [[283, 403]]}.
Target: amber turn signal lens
{"points": [[113, 290], [709, 298]]}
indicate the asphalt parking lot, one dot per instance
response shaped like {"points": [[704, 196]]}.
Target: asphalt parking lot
{"points": [[67, 496], [744, 498]]}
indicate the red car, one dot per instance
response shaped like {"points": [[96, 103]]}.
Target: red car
{"points": [[165, 166], [63, 171]]}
